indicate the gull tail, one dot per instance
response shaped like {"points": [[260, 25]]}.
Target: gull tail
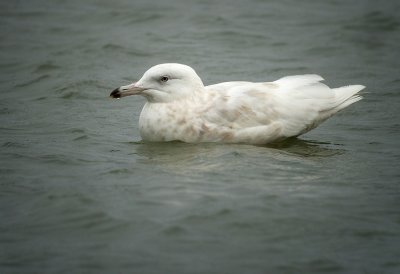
{"points": [[345, 96]]}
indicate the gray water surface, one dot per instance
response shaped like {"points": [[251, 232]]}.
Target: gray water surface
{"points": [[81, 193]]}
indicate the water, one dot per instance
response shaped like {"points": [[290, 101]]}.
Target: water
{"points": [[80, 192]]}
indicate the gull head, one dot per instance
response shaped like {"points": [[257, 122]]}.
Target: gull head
{"points": [[163, 83]]}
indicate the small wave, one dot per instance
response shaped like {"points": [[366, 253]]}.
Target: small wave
{"points": [[279, 44], [138, 53], [82, 137], [56, 158], [323, 50], [375, 21], [45, 67], [293, 70], [73, 94], [81, 90], [33, 81], [369, 233], [307, 148], [9, 65], [112, 47], [174, 230], [24, 14], [120, 171], [120, 49], [142, 18], [76, 130], [200, 218], [41, 98], [14, 145]]}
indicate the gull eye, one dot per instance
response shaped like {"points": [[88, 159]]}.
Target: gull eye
{"points": [[164, 78]]}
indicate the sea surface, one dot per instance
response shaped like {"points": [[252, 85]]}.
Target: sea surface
{"points": [[80, 192]]}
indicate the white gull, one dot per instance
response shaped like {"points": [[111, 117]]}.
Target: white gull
{"points": [[179, 107]]}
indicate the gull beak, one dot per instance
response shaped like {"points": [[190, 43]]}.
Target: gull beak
{"points": [[123, 91]]}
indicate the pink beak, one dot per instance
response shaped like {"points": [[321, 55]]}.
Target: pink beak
{"points": [[128, 90]]}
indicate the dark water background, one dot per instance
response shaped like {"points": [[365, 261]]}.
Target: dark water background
{"points": [[80, 193]]}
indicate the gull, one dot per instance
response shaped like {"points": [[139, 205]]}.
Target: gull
{"points": [[180, 108]]}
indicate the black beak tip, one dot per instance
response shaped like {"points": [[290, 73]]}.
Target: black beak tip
{"points": [[115, 93]]}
